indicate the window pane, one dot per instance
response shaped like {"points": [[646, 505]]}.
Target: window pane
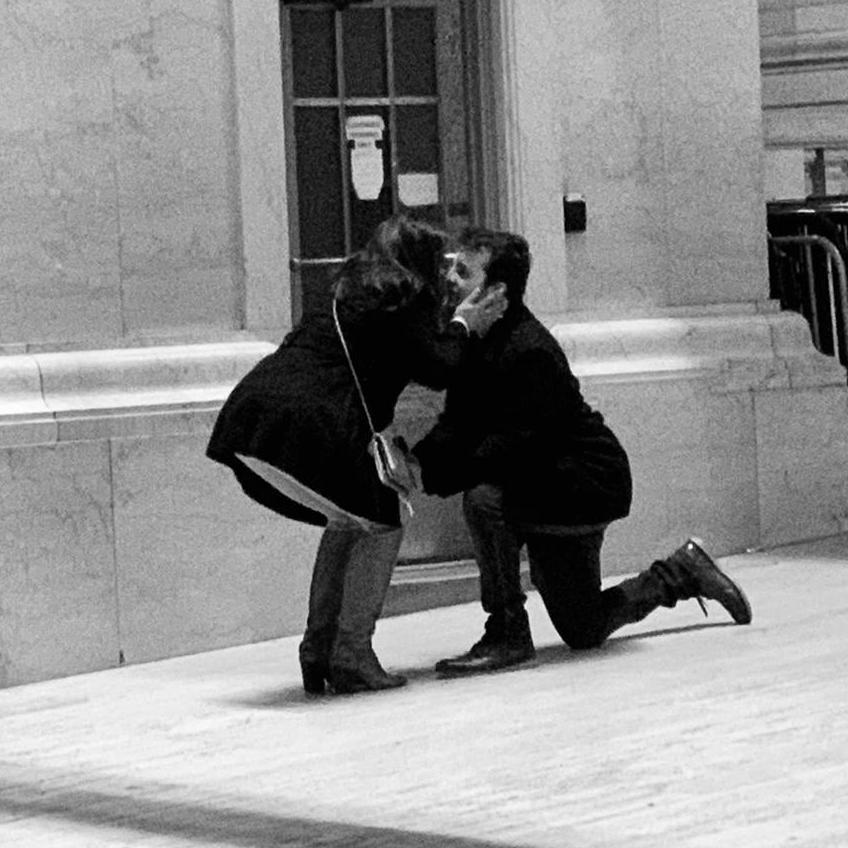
{"points": [[417, 139], [365, 214], [414, 42], [364, 52], [314, 52], [418, 162], [319, 182]]}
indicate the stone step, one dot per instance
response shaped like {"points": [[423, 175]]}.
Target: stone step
{"points": [[429, 585]]}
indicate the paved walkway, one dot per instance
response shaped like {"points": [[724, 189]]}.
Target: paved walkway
{"points": [[680, 733]]}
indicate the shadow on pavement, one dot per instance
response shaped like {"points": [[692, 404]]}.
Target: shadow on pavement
{"points": [[208, 824], [294, 696]]}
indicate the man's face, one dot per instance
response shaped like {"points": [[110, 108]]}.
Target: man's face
{"points": [[467, 271]]}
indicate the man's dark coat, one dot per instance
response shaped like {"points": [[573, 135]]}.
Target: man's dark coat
{"points": [[515, 416]]}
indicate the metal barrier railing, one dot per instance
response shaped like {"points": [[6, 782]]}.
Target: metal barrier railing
{"points": [[808, 257], [835, 293]]}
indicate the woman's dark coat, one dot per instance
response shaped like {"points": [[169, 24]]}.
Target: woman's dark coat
{"points": [[298, 408], [515, 416]]}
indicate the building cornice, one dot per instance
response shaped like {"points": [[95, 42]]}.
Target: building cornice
{"points": [[804, 51]]}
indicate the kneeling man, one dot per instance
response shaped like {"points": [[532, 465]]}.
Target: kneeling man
{"points": [[539, 467]]}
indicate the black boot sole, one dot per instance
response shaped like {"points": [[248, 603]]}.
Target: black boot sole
{"points": [[482, 665], [350, 682], [314, 676]]}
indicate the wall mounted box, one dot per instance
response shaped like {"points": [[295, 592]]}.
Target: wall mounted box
{"points": [[574, 213]]}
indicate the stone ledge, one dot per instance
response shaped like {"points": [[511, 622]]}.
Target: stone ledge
{"points": [[803, 50], [421, 586], [733, 352], [80, 395], [60, 396]]}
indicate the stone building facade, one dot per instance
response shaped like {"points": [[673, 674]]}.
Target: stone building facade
{"points": [[152, 229]]}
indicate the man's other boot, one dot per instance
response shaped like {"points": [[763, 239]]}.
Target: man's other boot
{"points": [[354, 666], [689, 572], [506, 641]]}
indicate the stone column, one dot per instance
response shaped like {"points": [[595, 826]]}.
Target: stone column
{"points": [[651, 110], [736, 426], [264, 211]]}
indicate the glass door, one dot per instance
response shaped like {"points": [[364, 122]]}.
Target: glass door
{"points": [[377, 121]]}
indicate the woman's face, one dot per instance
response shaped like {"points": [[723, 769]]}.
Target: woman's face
{"points": [[467, 271]]}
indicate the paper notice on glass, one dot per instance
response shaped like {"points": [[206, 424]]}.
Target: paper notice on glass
{"points": [[366, 172], [364, 134], [418, 189]]}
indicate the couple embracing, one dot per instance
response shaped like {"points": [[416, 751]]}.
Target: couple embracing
{"points": [[535, 464]]}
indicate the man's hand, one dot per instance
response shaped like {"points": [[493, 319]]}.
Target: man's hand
{"points": [[482, 308]]}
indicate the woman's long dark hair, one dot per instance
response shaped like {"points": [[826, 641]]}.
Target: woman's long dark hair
{"points": [[400, 265]]}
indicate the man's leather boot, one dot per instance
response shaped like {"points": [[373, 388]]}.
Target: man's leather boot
{"points": [[690, 573], [506, 641]]}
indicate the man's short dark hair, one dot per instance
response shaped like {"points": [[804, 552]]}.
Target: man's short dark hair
{"points": [[509, 258]]}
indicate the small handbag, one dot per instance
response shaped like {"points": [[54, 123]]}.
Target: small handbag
{"points": [[391, 465]]}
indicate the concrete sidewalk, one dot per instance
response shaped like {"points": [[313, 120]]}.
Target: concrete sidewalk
{"points": [[680, 731]]}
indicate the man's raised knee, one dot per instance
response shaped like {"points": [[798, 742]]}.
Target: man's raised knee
{"points": [[584, 639]]}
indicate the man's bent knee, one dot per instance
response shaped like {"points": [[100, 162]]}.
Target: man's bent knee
{"points": [[582, 639]]}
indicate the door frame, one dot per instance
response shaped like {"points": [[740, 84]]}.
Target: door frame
{"points": [[259, 169], [482, 78]]}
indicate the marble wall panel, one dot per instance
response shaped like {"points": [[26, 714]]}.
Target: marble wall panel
{"points": [[118, 177], [180, 253], [56, 72], [693, 457], [660, 126], [58, 236], [802, 442], [58, 606], [59, 277], [180, 299], [200, 565], [613, 154], [712, 149]]}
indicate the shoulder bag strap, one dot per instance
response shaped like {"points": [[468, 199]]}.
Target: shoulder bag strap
{"points": [[352, 369]]}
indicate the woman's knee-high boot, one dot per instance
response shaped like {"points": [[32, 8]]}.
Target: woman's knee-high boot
{"points": [[325, 602], [353, 665]]}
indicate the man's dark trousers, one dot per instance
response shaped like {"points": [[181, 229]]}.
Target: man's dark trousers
{"points": [[565, 567]]}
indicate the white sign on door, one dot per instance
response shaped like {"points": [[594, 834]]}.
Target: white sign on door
{"points": [[366, 158], [418, 189]]}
